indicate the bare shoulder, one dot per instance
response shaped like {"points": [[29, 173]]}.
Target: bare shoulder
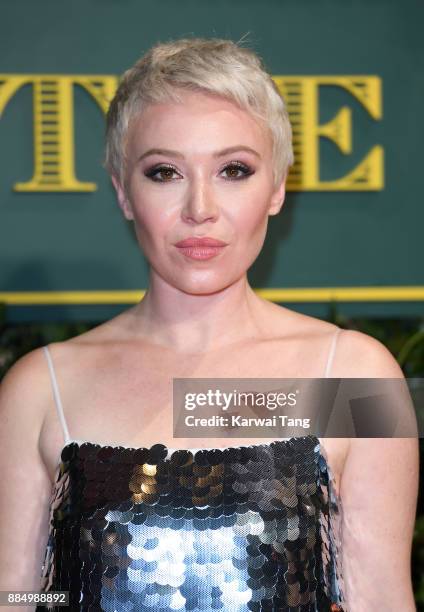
{"points": [[25, 381], [25, 391], [362, 356], [359, 355], [356, 354], [24, 397]]}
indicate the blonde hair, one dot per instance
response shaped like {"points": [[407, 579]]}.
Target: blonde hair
{"points": [[213, 65]]}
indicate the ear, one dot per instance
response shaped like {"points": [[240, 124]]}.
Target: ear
{"points": [[277, 198], [122, 199]]}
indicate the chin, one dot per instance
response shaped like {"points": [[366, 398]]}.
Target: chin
{"points": [[202, 287]]}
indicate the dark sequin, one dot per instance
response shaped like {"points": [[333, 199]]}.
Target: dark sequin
{"points": [[155, 529]]}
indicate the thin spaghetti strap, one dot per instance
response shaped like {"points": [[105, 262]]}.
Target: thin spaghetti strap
{"points": [[331, 353], [56, 394]]}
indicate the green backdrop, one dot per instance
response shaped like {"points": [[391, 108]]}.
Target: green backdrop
{"points": [[79, 242]]}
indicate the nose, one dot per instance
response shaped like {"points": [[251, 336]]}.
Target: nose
{"points": [[200, 204]]}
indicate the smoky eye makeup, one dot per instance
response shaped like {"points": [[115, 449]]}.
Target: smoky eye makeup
{"points": [[166, 170], [235, 170]]}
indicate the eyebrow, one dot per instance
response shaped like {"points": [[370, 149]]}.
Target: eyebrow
{"points": [[215, 154]]}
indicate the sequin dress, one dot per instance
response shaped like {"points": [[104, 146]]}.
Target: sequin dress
{"points": [[158, 529]]}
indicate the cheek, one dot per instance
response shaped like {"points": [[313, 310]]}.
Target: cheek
{"points": [[250, 214], [154, 211], [151, 223]]}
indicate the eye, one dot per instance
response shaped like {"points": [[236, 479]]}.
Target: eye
{"points": [[164, 173], [161, 174], [237, 170]]}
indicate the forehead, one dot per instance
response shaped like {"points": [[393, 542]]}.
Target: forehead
{"points": [[200, 123]]}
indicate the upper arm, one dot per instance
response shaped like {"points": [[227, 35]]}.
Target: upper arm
{"points": [[378, 490], [25, 487]]}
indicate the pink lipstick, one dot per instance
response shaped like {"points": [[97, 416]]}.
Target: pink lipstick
{"points": [[200, 247]]}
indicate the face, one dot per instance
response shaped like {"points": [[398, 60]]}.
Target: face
{"points": [[200, 169]]}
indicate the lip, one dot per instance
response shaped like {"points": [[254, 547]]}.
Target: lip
{"points": [[200, 248], [200, 241]]}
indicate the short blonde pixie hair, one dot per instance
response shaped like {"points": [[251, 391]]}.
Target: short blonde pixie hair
{"points": [[211, 65]]}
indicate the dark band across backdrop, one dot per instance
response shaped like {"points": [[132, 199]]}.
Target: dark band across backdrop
{"points": [[351, 227]]}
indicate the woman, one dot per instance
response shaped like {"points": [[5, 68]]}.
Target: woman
{"points": [[198, 148]]}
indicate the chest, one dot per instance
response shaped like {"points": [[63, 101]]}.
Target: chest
{"points": [[127, 398]]}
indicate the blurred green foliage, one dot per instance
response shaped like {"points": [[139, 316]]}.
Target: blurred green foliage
{"points": [[403, 337]]}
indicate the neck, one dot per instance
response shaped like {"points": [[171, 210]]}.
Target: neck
{"points": [[197, 323]]}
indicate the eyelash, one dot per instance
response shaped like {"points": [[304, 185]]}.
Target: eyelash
{"points": [[247, 171]]}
